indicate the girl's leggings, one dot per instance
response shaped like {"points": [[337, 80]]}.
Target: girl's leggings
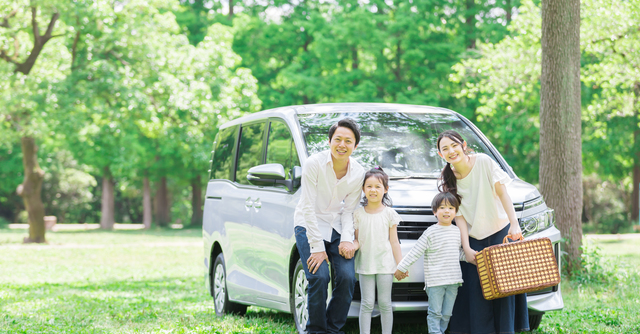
{"points": [[368, 284]]}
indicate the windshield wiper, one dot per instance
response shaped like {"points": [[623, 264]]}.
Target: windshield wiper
{"points": [[412, 177]]}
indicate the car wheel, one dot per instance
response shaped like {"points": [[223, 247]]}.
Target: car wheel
{"points": [[534, 320], [219, 288], [298, 298]]}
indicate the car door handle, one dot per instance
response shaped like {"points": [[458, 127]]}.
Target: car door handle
{"points": [[248, 203], [257, 204]]}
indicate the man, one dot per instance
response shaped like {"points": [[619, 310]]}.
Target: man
{"points": [[331, 189]]}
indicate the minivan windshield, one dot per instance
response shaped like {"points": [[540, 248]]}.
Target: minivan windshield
{"points": [[403, 144]]}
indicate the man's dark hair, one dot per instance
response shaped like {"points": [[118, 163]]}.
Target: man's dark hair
{"points": [[442, 198], [348, 123]]}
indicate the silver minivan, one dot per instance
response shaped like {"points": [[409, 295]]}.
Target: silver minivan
{"points": [[250, 256]]}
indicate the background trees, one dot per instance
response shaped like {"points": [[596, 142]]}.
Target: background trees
{"points": [[128, 94]]}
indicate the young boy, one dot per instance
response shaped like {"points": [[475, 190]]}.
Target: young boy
{"points": [[440, 245]]}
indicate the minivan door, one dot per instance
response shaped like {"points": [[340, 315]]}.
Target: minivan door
{"points": [[273, 219], [240, 234]]}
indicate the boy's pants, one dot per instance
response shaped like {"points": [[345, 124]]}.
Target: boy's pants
{"points": [[441, 300]]}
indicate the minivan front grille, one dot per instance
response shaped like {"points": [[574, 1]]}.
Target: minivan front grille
{"points": [[400, 292], [415, 220]]}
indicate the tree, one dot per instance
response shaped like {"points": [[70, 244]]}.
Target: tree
{"points": [[26, 91], [560, 120]]}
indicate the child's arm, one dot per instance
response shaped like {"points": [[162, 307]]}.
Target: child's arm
{"points": [[395, 244], [356, 243], [414, 254], [464, 238]]}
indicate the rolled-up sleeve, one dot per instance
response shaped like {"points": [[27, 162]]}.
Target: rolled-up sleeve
{"points": [[350, 205], [308, 199]]}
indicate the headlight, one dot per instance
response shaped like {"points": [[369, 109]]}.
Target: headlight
{"points": [[537, 222]]}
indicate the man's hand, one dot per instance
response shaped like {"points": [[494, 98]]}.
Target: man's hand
{"points": [[400, 275], [315, 260], [347, 249]]}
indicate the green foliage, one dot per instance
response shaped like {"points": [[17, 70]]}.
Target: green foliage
{"points": [[606, 205], [67, 188]]}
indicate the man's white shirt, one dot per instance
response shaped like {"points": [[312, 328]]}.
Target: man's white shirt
{"points": [[326, 202]]}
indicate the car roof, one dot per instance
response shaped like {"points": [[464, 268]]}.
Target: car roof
{"points": [[328, 108]]}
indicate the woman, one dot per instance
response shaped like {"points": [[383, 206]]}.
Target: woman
{"points": [[485, 217]]}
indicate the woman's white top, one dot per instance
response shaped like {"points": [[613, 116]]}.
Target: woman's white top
{"points": [[481, 206], [375, 255]]}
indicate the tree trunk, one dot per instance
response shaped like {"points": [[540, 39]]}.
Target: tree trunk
{"points": [[560, 127], [230, 9], [635, 194], [163, 209], [196, 202], [107, 217], [146, 204], [508, 9], [470, 23], [30, 190]]}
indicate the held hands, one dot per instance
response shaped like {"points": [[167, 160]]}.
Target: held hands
{"points": [[399, 275], [315, 260], [347, 249], [470, 254]]}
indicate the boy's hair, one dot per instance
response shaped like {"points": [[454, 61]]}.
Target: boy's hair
{"points": [[445, 197], [384, 178], [348, 123]]}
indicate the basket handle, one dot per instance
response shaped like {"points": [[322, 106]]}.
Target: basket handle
{"points": [[508, 236]]}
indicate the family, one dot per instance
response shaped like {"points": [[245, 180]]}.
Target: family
{"points": [[331, 229]]}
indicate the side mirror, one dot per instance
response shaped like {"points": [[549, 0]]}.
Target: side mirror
{"points": [[269, 175], [297, 176]]}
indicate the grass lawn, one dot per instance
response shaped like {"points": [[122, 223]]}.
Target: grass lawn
{"points": [[152, 282]]}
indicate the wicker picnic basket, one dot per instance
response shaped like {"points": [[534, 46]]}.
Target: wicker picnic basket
{"points": [[518, 267]]}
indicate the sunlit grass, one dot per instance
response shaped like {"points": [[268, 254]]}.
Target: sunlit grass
{"points": [[152, 282]]}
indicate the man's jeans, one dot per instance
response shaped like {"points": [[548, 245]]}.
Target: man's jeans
{"points": [[323, 319], [441, 300]]}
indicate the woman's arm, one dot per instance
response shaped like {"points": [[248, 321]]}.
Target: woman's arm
{"points": [[503, 195], [469, 253]]}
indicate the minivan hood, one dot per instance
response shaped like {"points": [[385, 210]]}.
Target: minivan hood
{"points": [[420, 192]]}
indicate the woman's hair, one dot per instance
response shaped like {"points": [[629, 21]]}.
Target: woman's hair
{"points": [[378, 173], [445, 197], [448, 182]]}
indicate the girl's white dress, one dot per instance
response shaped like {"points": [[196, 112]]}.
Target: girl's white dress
{"points": [[375, 255]]}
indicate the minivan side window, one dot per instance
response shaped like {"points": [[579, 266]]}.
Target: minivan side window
{"points": [[250, 150], [281, 149], [222, 159]]}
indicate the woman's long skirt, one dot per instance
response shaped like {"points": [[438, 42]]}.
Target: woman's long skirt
{"points": [[474, 314]]}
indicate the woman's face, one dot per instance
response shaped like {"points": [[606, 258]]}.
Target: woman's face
{"points": [[452, 151]]}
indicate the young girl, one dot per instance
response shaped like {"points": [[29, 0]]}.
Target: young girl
{"points": [[485, 217], [376, 235]]}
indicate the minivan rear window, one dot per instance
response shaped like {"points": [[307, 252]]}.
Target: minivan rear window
{"points": [[404, 144], [222, 159]]}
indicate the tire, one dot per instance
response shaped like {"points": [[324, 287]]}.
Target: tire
{"points": [[298, 298], [219, 291], [534, 320]]}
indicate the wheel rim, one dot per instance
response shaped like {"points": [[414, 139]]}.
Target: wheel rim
{"points": [[219, 288], [300, 299]]}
